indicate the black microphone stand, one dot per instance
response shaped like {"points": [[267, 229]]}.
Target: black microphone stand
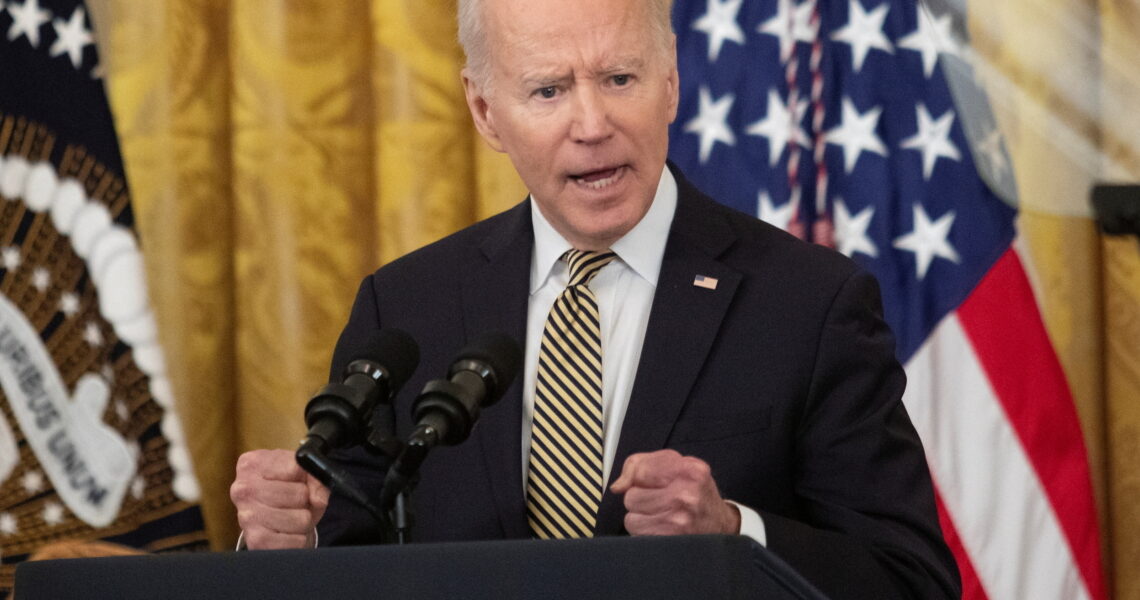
{"points": [[401, 479], [444, 413], [392, 512], [312, 455], [399, 518], [378, 439]]}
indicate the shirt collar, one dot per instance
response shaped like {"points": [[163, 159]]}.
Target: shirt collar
{"points": [[642, 248]]}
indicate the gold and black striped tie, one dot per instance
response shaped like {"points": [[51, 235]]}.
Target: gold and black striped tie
{"points": [[564, 482]]}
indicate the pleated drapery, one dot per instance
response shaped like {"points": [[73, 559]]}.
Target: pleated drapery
{"points": [[278, 151]]}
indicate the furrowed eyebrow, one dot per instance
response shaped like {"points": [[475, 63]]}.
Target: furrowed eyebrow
{"points": [[623, 66], [544, 79], [540, 79]]}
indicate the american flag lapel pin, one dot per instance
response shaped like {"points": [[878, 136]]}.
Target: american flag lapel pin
{"points": [[704, 281]]}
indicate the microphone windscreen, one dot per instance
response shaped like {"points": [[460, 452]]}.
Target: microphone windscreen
{"points": [[392, 349], [499, 352], [399, 353]]}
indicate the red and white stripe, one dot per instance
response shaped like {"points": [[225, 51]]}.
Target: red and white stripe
{"points": [[791, 70], [823, 232], [990, 401]]}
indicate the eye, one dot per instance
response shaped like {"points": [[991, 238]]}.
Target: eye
{"points": [[621, 80], [547, 92]]}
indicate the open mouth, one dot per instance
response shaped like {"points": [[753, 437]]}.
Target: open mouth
{"points": [[596, 180]]}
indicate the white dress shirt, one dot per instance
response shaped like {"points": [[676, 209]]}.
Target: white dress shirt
{"points": [[624, 289]]}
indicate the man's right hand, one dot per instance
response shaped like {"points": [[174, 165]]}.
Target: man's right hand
{"points": [[278, 503]]}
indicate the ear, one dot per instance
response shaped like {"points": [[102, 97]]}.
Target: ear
{"points": [[674, 80], [478, 104]]}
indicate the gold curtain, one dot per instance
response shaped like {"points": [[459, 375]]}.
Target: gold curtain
{"points": [[1120, 270], [278, 150]]}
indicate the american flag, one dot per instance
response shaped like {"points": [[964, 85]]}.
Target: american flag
{"points": [[859, 124], [703, 281]]}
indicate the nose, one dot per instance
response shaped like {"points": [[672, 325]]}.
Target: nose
{"points": [[591, 123]]}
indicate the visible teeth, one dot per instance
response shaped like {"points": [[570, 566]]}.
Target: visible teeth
{"points": [[600, 183]]}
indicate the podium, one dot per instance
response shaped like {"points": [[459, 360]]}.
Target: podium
{"points": [[618, 567]]}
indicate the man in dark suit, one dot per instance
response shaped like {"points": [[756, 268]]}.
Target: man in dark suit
{"points": [[748, 385]]}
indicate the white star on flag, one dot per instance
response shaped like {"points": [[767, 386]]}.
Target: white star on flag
{"points": [[864, 30], [11, 258], [8, 524], [990, 148], [851, 231], [69, 304], [719, 23], [52, 514], [856, 134], [780, 126], [931, 38], [780, 216], [71, 37], [32, 482], [41, 279], [932, 139], [711, 122], [26, 21], [780, 25], [928, 240], [803, 30]]}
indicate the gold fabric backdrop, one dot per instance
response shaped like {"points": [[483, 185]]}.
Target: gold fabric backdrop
{"points": [[279, 150]]}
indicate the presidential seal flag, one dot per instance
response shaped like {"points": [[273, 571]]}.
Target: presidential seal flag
{"points": [[859, 124], [90, 446]]}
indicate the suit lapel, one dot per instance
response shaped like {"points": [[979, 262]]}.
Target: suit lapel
{"points": [[495, 298], [683, 324]]}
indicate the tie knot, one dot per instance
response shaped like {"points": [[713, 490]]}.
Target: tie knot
{"points": [[585, 264]]}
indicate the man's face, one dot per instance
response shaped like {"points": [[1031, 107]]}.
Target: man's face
{"points": [[580, 97]]}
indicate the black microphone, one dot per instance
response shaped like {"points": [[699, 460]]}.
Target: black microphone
{"points": [[338, 415], [447, 409]]}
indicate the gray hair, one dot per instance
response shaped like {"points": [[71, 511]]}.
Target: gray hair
{"points": [[473, 35]]}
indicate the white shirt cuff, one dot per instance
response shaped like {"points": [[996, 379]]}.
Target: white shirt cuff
{"points": [[752, 524], [240, 546]]}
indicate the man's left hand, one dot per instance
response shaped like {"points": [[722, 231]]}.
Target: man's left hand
{"points": [[670, 494]]}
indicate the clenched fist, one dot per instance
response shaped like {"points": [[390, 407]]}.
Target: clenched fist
{"points": [[670, 494], [278, 503]]}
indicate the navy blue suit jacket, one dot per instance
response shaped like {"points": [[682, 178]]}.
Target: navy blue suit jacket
{"points": [[783, 379]]}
